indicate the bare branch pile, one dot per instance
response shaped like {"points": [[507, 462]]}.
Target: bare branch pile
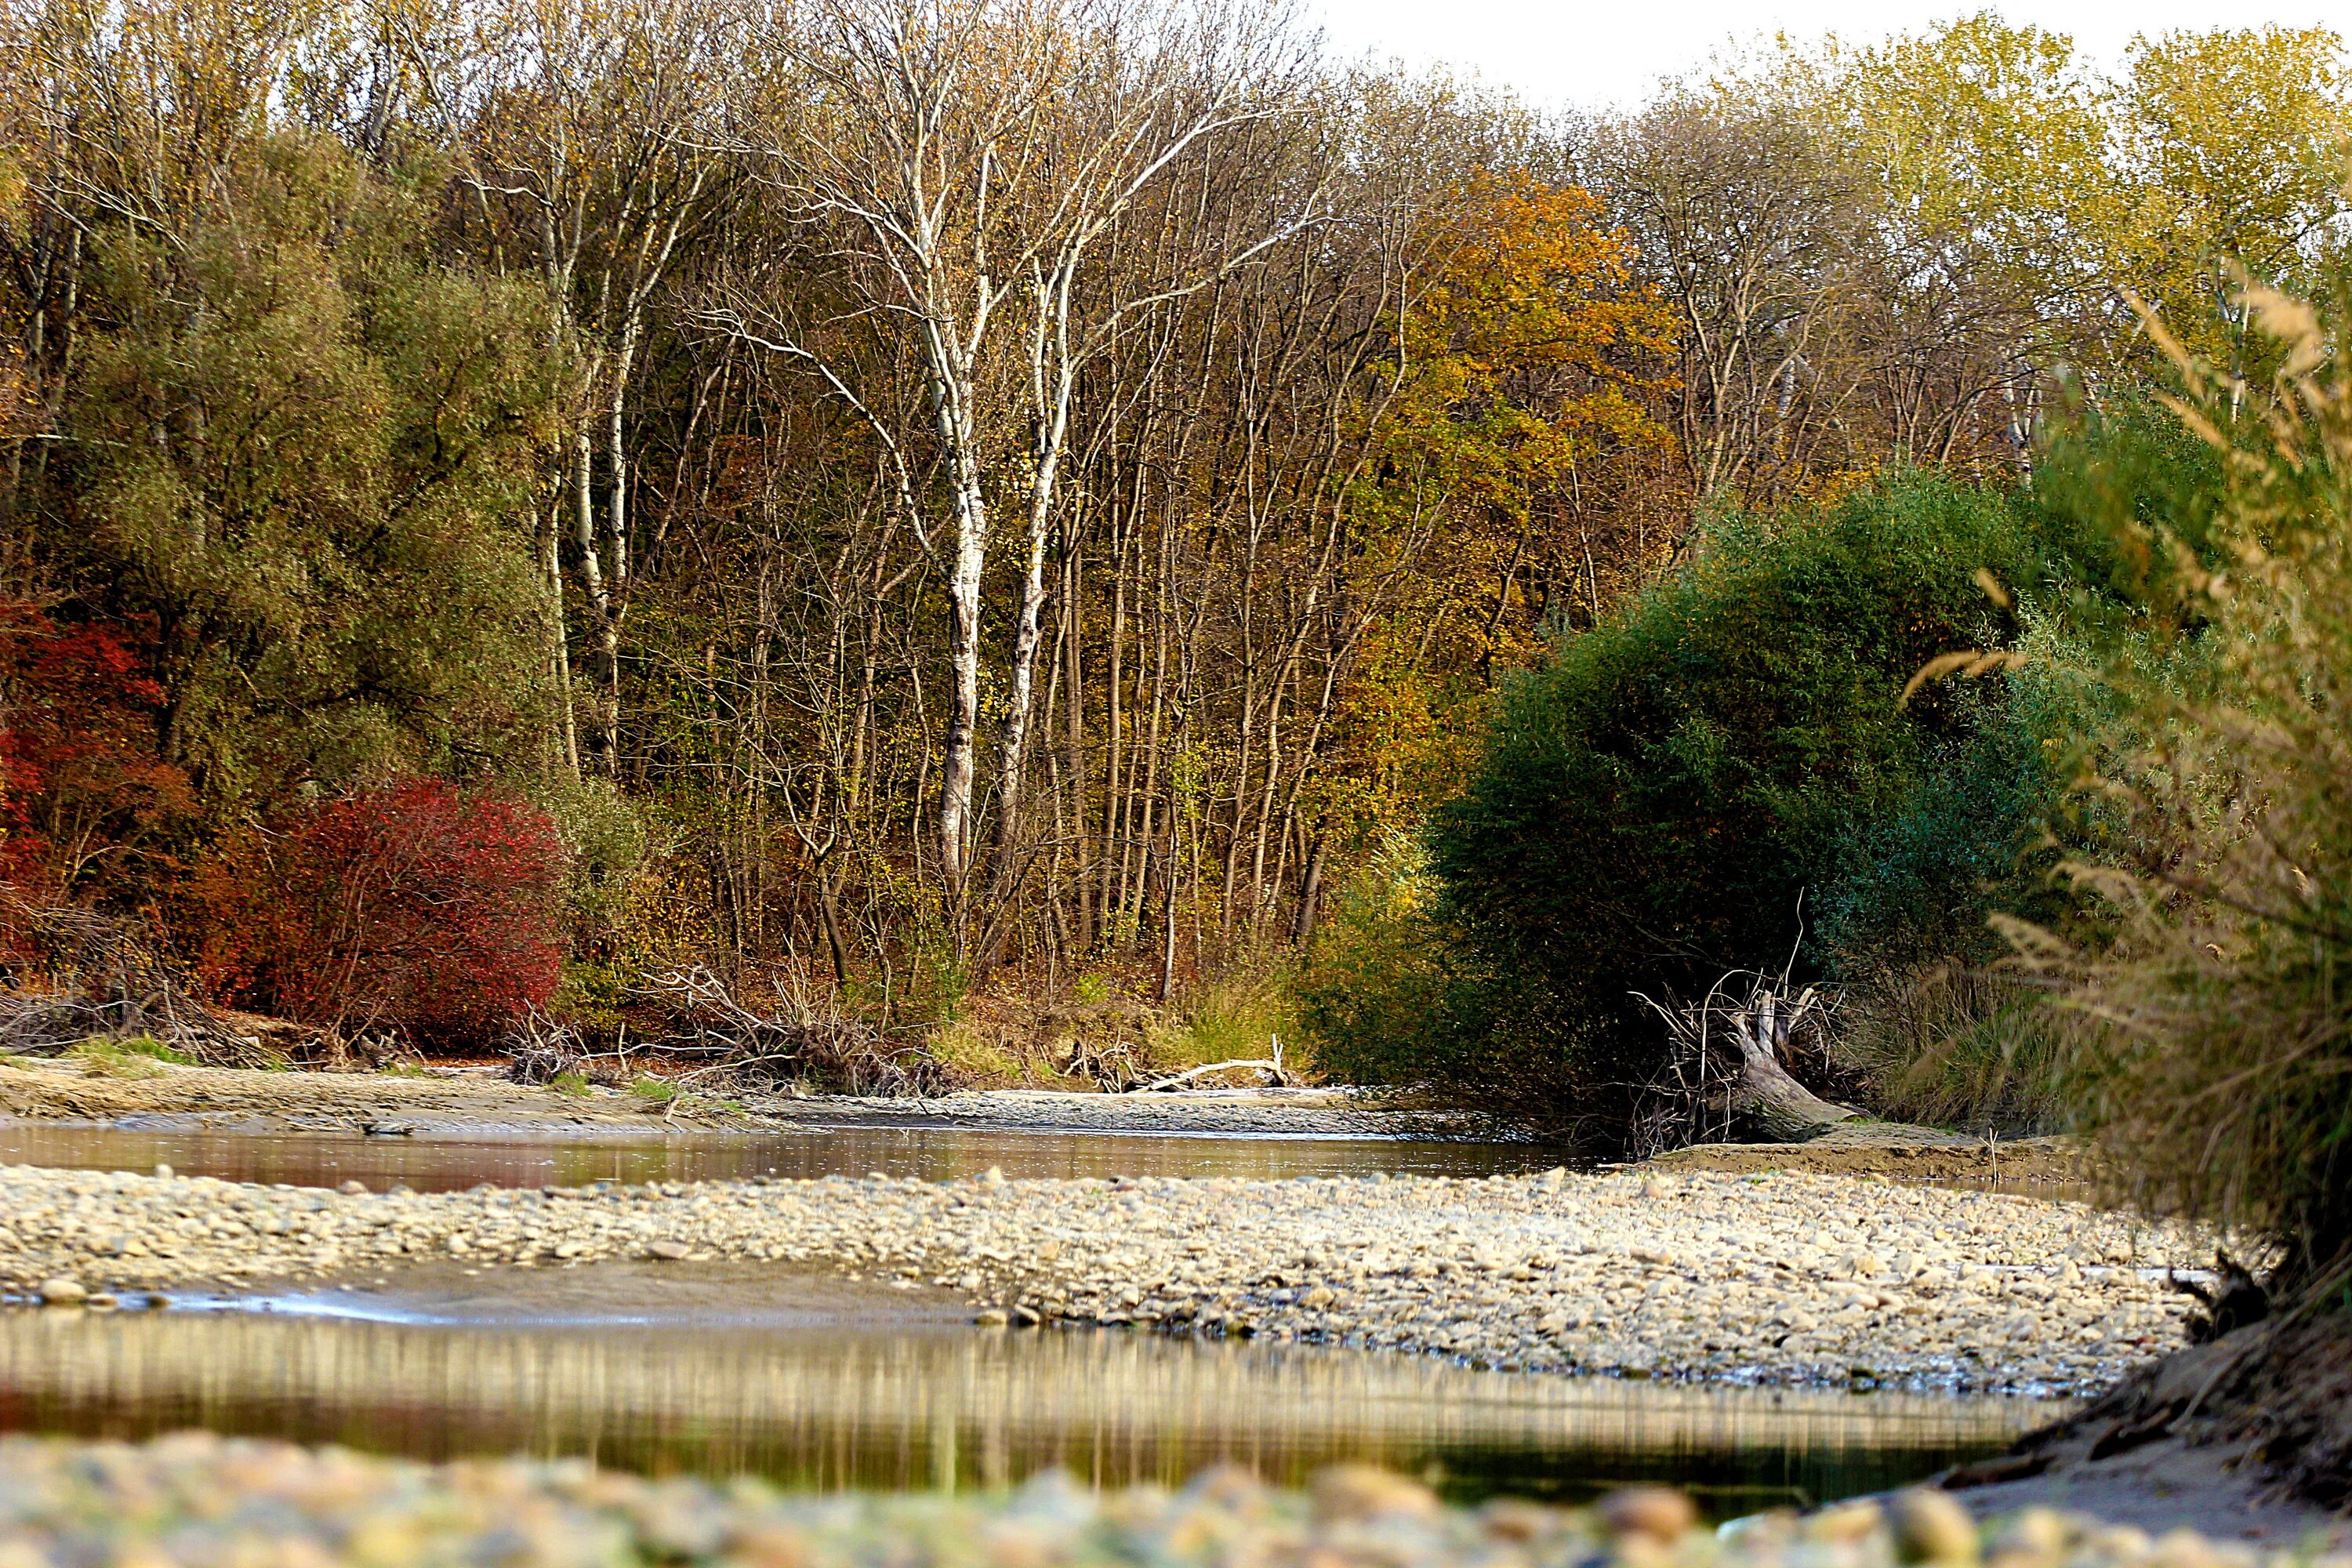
{"points": [[1728, 1074], [92, 976]]}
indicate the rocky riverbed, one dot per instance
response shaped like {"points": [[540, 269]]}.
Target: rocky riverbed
{"points": [[201, 1501], [1796, 1278]]}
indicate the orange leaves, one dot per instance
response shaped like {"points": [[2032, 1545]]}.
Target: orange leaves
{"points": [[1529, 356], [1531, 284], [1520, 434]]}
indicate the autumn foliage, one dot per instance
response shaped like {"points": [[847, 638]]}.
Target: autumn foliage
{"points": [[414, 908], [84, 800]]}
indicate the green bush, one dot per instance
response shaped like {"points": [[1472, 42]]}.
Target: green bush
{"points": [[1654, 800], [1374, 995]]}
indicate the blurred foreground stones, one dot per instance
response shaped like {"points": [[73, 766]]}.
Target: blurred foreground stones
{"points": [[199, 1501]]}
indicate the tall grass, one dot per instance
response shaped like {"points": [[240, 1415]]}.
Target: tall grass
{"points": [[2214, 1032], [1951, 1045]]}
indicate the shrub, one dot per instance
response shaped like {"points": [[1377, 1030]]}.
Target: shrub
{"points": [[1957, 1046], [1654, 800], [1373, 996], [412, 907]]}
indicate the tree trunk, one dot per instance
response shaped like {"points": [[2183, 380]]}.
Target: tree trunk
{"points": [[1773, 1107]]}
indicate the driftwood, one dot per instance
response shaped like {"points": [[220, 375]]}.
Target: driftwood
{"points": [[1726, 1073], [1271, 1066]]}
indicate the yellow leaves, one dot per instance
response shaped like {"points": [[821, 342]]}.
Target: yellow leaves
{"points": [[1528, 348], [2070, 186]]}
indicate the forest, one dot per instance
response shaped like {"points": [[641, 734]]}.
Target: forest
{"points": [[1084, 534]]}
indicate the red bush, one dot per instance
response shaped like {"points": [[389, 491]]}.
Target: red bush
{"points": [[412, 907], [83, 798]]}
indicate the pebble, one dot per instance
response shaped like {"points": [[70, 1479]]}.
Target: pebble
{"points": [[63, 1292], [195, 1498], [1932, 1527], [1783, 1278], [1661, 1513]]}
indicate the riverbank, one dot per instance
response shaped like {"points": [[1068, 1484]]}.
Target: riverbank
{"points": [[197, 1498], [1787, 1278], [469, 1104]]}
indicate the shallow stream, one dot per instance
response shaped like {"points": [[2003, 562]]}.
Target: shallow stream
{"points": [[818, 1382], [431, 1163]]}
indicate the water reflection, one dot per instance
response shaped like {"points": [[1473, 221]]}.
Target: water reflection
{"points": [[432, 1165], [927, 1404]]}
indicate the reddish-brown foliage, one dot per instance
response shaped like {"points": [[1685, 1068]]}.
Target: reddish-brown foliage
{"points": [[83, 798], [412, 906]]}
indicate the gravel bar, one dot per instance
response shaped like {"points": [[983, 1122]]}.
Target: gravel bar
{"points": [[193, 1500], [1781, 1279]]}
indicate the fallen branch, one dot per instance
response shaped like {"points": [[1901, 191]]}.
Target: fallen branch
{"points": [[1272, 1068], [801, 1042]]}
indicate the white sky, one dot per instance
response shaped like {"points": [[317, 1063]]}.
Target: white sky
{"points": [[1593, 54]]}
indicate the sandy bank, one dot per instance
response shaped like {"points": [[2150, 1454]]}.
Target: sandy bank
{"points": [[1899, 1152]]}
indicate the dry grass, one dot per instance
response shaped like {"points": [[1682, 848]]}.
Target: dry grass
{"points": [[2219, 1073], [1977, 1049]]}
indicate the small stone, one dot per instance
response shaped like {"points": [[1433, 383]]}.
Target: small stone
{"points": [[165, 1172], [1346, 1493], [1660, 1514], [1931, 1526], [102, 1302], [669, 1251], [990, 1318], [1508, 1518], [1849, 1524], [157, 1300], [353, 1188], [2038, 1534], [62, 1292], [992, 1177], [1025, 1317]]}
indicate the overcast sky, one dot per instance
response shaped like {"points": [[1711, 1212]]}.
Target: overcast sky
{"points": [[1592, 54]]}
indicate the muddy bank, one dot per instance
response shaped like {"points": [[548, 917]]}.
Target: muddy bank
{"points": [[1899, 1153], [1801, 1279], [2250, 1434]]}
